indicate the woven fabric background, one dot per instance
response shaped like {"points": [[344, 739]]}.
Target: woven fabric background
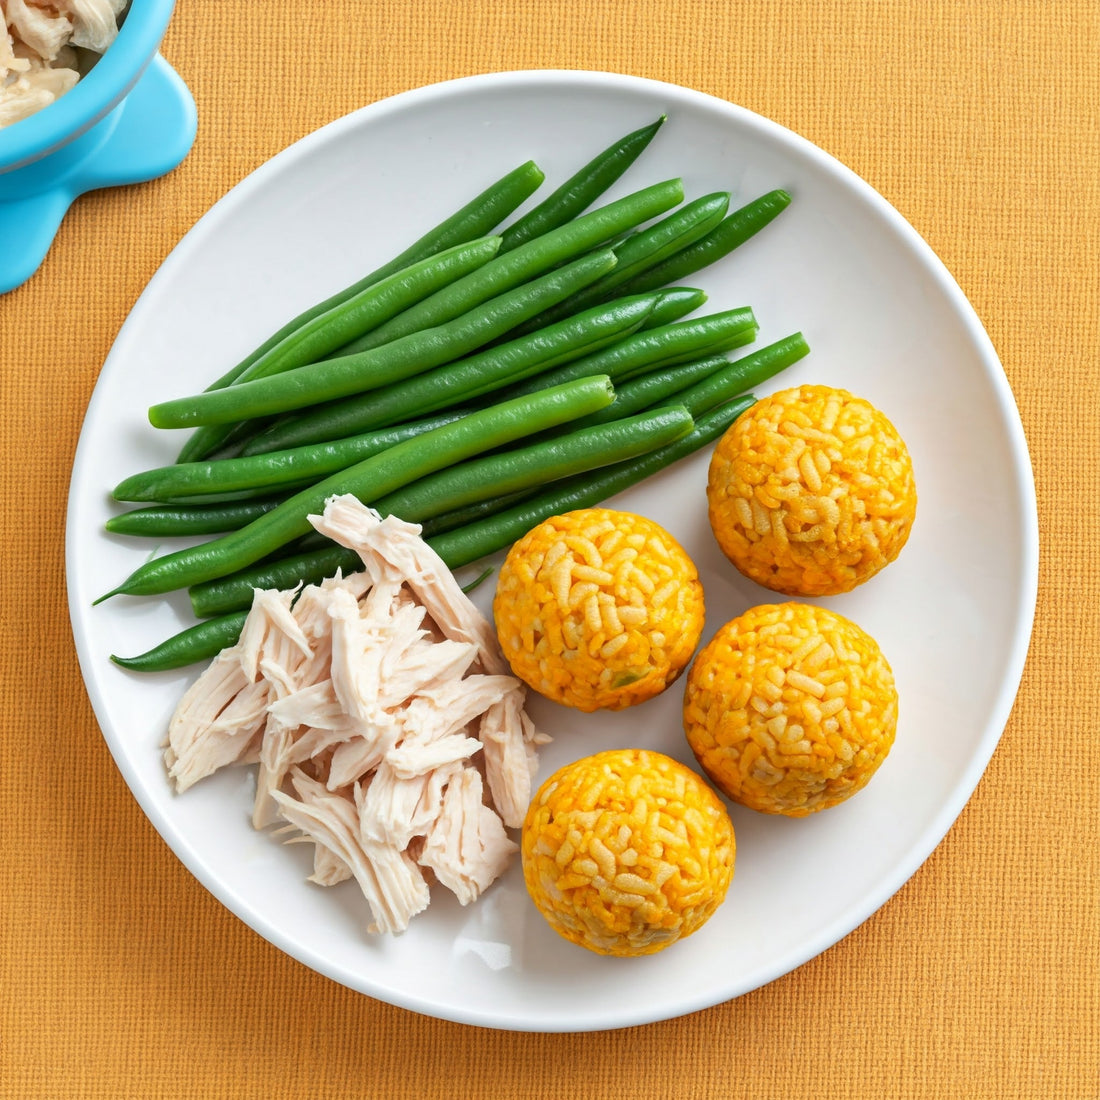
{"points": [[980, 121]]}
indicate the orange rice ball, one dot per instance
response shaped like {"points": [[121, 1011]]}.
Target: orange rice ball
{"points": [[598, 608], [627, 851], [811, 492], [790, 708]]}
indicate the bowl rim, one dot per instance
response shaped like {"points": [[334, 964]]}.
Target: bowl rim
{"points": [[95, 95]]}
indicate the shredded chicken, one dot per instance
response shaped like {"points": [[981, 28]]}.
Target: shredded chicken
{"points": [[372, 705], [467, 847], [44, 47], [393, 544]]}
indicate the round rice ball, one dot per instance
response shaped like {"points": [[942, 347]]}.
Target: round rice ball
{"points": [[790, 708], [598, 608], [627, 851], [811, 492]]}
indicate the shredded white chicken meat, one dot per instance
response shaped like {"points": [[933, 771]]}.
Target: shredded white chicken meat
{"points": [[44, 47], [381, 718]]}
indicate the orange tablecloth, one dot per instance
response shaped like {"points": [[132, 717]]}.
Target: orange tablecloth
{"points": [[121, 977]]}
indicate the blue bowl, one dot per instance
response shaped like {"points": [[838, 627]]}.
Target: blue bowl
{"points": [[129, 119]]}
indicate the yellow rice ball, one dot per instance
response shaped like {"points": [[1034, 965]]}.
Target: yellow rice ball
{"points": [[811, 492], [598, 608], [627, 851], [790, 708]]}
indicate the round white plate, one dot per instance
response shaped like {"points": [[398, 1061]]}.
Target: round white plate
{"points": [[883, 319]]}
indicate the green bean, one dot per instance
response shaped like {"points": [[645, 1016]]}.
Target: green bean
{"points": [[582, 188], [459, 517], [373, 477], [673, 303], [460, 494], [371, 306], [657, 242], [524, 263], [464, 545], [269, 472], [365, 310], [648, 390], [477, 218], [211, 498], [641, 251], [197, 643], [222, 440], [651, 349], [370, 370], [172, 520], [669, 304], [743, 374], [517, 468], [461, 380], [688, 342], [732, 232]]}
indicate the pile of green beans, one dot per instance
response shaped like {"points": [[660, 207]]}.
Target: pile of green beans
{"points": [[479, 217], [641, 251], [373, 477], [478, 382], [403, 358], [562, 360], [519, 266]]}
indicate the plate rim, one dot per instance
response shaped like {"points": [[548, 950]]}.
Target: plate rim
{"points": [[917, 852]]}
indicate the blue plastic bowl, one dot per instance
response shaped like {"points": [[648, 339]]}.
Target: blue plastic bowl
{"points": [[129, 119]]}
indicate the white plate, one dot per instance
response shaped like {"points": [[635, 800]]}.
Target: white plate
{"points": [[883, 318]]}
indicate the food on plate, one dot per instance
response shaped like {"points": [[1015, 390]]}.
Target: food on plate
{"points": [[577, 193], [475, 220], [482, 306], [370, 391], [641, 251], [381, 718], [45, 48], [480, 531], [480, 216], [811, 492], [598, 608], [529, 363], [627, 851], [732, 232], [790, 708], [372, 477]]}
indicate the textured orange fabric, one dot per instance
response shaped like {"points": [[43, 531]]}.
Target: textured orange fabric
{"points": [[121, 977]]}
